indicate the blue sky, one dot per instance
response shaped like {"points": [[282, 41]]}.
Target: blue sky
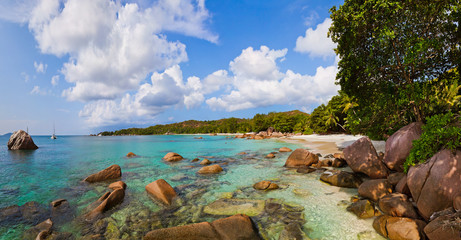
{"points": [[93, 65]]}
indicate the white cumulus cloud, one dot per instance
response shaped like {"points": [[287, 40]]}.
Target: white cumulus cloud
{"points": [[113, 46], [257, 82], [316, 42]]}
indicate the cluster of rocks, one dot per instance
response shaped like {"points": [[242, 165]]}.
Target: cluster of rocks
{"points": [[421, 204], [269, 133]]}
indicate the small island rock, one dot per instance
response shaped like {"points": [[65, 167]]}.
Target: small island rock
{"points": [[130, 154], [285, 149], [20, 140], [205, 162], [172, 157]]}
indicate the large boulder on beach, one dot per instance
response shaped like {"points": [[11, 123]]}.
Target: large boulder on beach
{"points": [[341, 179], [398, 145], [375, 189], [20, 140], [172, 157], [301, 157], [402, 186], [212, 169], [434, 184], [445, 227], [111, 172], [399, 228], [361, 157], [397, 205], [161, 191], [106, 202], [234, 227]]}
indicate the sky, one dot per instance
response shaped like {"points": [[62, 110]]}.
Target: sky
{"points": [[87, 66]]}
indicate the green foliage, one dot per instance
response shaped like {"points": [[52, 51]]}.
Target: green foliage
{"points": [[390, 51], [442, 131], [292, 121], [333, 116]]}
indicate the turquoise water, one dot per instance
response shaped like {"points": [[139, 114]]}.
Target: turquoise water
{"points": [[57, 168]]}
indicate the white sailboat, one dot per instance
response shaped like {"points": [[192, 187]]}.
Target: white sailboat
{"points": [[54, 133]]}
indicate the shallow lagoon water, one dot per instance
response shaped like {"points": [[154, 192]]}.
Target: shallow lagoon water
{"points": [[57, 168]]}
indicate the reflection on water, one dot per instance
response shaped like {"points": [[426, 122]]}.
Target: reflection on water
{"points": [[21, 155]]}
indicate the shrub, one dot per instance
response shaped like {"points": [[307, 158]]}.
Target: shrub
{"points": [[442, 131]]}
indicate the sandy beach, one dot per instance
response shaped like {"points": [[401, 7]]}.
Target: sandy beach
{"points": [[326, 144]]}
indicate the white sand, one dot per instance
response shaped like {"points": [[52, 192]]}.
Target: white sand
{"points": [[326, 144]]}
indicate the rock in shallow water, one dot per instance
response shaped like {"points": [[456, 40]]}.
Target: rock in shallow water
{"points": [[172, 157], [20, 140], [161, 191], [210, 169], [111, 172], [234, 227], [341, 179]]}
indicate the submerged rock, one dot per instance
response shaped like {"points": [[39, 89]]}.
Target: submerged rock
{"points": [[20, 140], [233, 206], [301, 157], [33, 212], [61, 211], [107, 201], [172, 157], [161, 191], [398, 145], [111, 172], [234, 227], [361, 157], [434, 184], [265, 185], [212, 169], [11, 214], [270, 155], [205, 162], [40, 231], [292, 231]]}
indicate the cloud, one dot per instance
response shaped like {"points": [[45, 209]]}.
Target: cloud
{"points": [[257, 82], [315, 42], [40, 67], [113, 46], [55, 80], [17, 11], [165, 90], [38, 91]]}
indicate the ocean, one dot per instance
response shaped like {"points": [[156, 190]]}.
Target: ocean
{"points": [[57, 168]]}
